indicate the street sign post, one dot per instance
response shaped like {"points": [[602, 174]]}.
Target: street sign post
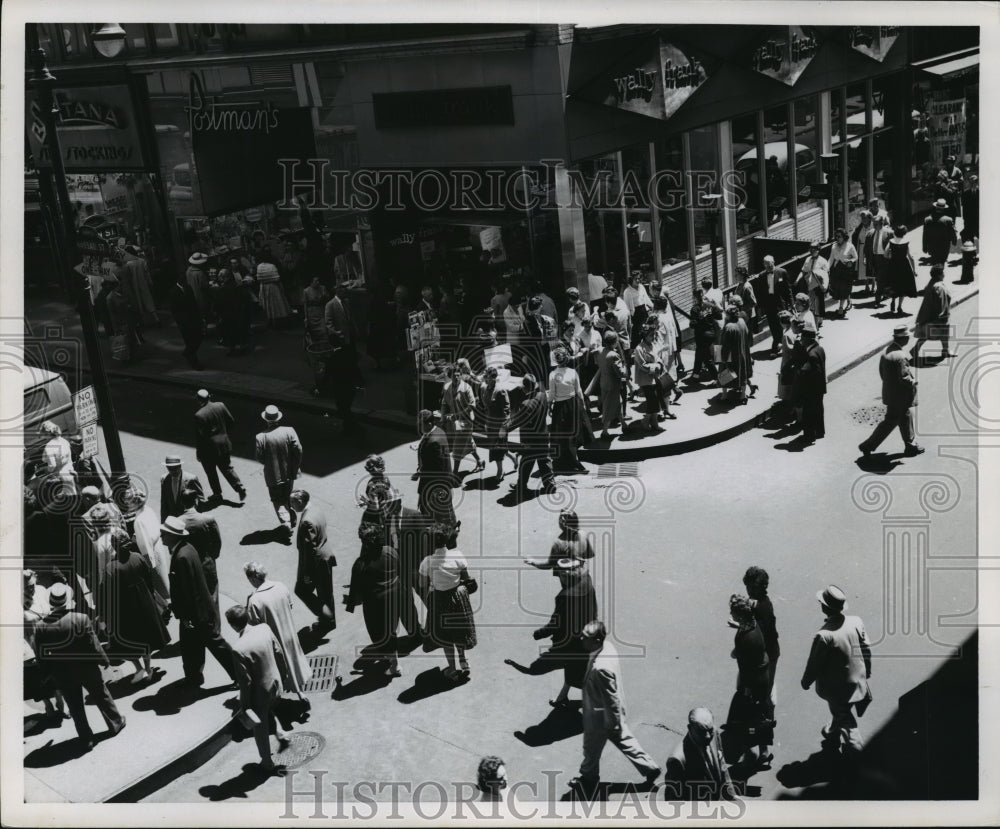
{"points": [[90, 445], [85, 405]]}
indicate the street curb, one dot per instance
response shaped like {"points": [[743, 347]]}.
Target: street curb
{"points": [[593, 455]]}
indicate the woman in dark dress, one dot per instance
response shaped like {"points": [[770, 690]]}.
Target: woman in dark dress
{"points": [[751, 702], [900, 271], [128, 607], [375, 586], [496, 404]]}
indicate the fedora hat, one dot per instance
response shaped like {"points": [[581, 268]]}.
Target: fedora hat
{"points": [[832, 598], [171, 460], [60, 596], [941, 203], [272, 414], [901, 331], [197, 258], [174, 525]]}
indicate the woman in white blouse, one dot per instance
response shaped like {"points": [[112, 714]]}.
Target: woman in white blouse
{"points": [[445, 585], [58, 459], [843, 269], [513, 321], [570, 422]]}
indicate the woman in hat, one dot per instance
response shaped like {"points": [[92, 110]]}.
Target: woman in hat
{"points": [[752, 702], [445, 585], [570, 421], [272, 297], [128, 608], [495, 403], [458, 410], [382, 505], [901, 272], [843, 270], [375, 585]]}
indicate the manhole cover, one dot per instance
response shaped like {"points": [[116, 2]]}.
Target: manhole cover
{"points": [[324, 672], [304, 746], [869, 415], [618, 470]]}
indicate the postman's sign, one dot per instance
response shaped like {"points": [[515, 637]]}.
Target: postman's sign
{"points": [[85, 405]]}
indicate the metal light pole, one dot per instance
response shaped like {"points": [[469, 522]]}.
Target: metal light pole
{"points": [[714, 209], [830, 164], [43, 82]]}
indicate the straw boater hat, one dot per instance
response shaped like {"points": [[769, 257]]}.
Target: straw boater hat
{"points": [[272, 414], [832, 598], [197, 258], [60, 596], [941, 203], [174, 525], [171, 460], [968, 247], [901, 331]]}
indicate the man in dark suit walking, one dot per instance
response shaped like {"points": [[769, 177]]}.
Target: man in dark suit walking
{"points": [[187, 314], [899, 393], [67, 647], [774, 294], [212, 423], [314, 576], [204, 536], [809, 360], [192, 603], [531, 419], [695, 771], [173, 485], [434, 472]]}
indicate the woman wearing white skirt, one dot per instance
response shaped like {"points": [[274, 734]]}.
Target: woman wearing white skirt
{"points": [[272, 297]]}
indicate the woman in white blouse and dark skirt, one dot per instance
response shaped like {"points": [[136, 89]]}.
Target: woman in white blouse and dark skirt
{"points": [[445, 586], [570, 421], [843, 270]]}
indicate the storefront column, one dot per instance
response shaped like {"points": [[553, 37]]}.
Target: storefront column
{"points": [[826, 146], [572, 237], [728, 216]]}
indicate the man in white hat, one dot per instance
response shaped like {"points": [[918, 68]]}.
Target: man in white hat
{"points": [[932, 321], [197, 277], [192, 603], [173, 484], [67, 647], [188, 316], [899, 393], [279, 450], [212, 423], [939, 233], [840, 663]]}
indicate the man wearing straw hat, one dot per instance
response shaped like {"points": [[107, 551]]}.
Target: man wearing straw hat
{"points": [[840, 663], [192, 603], [67, 646], [939, 233], [212, 423], [279, 450], [899, 393]]}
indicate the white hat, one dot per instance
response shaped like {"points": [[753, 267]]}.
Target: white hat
{"points": [[272, 414], [60, 596], [197, 258], [174, 525]]}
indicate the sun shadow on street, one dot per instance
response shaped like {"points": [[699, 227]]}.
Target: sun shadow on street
{"points": [[172, 697], [879, 463], [251, 777], [427, 684], [275, 535], [559, 724], [605, 790], [55, 754]]}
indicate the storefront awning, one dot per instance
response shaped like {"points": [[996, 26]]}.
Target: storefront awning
{"points": [[952, 67]]}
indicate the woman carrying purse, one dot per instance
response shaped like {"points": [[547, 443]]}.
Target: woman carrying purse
{"points": [[843, 269]]}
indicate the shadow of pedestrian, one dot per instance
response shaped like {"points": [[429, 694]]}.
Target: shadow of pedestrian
{"points": [[879, 463], [821, 767], [252, 776], [560, 724], [796, 445], [368, 681], [126, 687], [311, 638], [35, 724], [427, 684], [604, 790], [277, 535], [174, 696], [55, 754], [717, 405]]}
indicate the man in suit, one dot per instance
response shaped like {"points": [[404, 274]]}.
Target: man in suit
{"points": [[212, 423], [970, 211], [434, 472], [279, 450], [193, 604], [899, 393], [813, 281], [204, 536], [314, 576], [531, 419], [259, 665], [338, 319], [774, 294], [809, 362], [604, 712], [934, 315], [880, 256], [173, 485], [840, 663], [939, 233], [187, 314], [695, 770], [67, 647]]}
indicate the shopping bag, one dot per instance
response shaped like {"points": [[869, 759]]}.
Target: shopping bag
{"points": [[726, 377]]}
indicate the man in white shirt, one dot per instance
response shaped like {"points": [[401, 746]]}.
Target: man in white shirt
{"points": [[814, 278], [880, 255]]}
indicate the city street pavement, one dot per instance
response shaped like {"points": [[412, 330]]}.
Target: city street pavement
{"points": [[673, 545], [277, 371]]}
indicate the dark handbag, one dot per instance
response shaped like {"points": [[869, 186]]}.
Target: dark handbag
{"points": [[470, 585]]}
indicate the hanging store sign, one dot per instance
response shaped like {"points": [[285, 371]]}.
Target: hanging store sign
{"points": [[785, 54], [681, 73], [946, 122], [96, 127], [873, 41]]}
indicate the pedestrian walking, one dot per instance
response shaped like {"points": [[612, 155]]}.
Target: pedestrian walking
{"points": [[814, 281], [970, 211], [279, 450], [69, 651], [862, 238], [434, 471], [774, 296], [939, 233], [736, 360], [96, 509], [695, 771], [187, 315], [932, 321], [270, 604], [756, 580], [173, 484], [809, 386], [271, 295], [747, 295], [899, 394], [213, 446], [705, 331], [750, 709], [259, 666], [316, 560], [133, 274], [570, 543], [668, 351], [840, 663], [196, 278], [648, 369], [843, 271], [375, 585], [879, 260], [204, 536], [458, 410], [901, 272], [133, 619], [570, 421], [495, 403], [532, 421], [607, 383], [57, 457], [194, 605], [146, 531], [604, 712], [124, 323], [446, 585]]}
